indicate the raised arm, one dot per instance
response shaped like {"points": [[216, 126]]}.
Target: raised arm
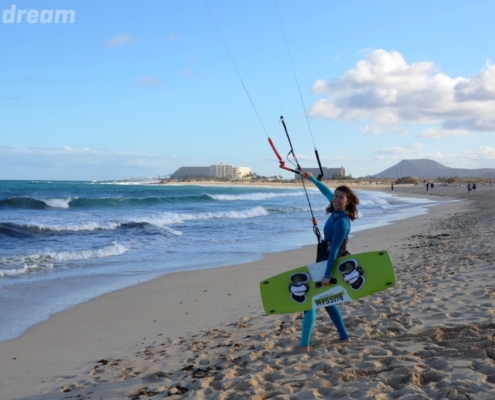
{"points": [[324, 189]]}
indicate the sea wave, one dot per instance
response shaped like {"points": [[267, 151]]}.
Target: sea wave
{"points": [[105, 202], [111, 202], [23, 202], [18, 229], [374, 201], [40, 262], [254, 196], [162, 220], [179, 218], [34, 203]]}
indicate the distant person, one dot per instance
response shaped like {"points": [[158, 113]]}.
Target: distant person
{"points": [[432, 185], [392, 186], [427, 185], [474, 187], [469, 187], [342, 210]]}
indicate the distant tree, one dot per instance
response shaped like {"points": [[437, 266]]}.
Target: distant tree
{"points": [[407, 180], [453, 179]]}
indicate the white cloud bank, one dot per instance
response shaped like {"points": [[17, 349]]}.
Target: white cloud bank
{"points": [[68, 163], [385, 89]]}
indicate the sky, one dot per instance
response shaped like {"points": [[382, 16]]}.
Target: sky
{"points": [[123, 89]]}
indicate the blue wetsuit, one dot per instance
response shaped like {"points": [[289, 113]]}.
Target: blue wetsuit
{"points": [[337, 228]]}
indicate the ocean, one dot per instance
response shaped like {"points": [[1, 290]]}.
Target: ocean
{"points": [[63, 243]]}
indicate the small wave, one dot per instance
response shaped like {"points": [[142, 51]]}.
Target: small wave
{"points": [[104, 202], [25, 270], [23, 202], [18, 229], [34, 204], [172, 218], [112, 250], [139, 202], [47, 261], [374, 201], [253, 196], [12, 230], [159, 220], [57, 203]]}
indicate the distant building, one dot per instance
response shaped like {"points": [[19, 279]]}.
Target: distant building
{"points": [[327, 172], [213, 171]]}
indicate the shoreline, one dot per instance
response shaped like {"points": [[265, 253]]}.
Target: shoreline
{"points": [[210, 306], [33, 309]]}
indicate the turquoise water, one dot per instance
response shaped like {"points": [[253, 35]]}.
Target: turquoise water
{"points": [[63, 243]]}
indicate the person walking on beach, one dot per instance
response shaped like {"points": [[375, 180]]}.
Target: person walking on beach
{"points": [[474, 187], [342, 210], [469, 187]]}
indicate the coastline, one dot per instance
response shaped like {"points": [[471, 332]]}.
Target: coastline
{"points": [[159, 327]]}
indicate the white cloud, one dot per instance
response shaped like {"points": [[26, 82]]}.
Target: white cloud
{"points": [[394, 150], [401, 149], [70, 163], [148, 81], [385, 89], [433, 133], [118, 41], [473, 124], [372, 130], [485, 152], [478, 88]]}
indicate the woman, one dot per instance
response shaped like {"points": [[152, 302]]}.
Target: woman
{"points": [[342, 210]]}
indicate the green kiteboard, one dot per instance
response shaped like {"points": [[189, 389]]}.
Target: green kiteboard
{"points": [[354, 276]]}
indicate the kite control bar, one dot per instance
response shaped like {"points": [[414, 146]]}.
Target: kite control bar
{"points": [[282, 162]]}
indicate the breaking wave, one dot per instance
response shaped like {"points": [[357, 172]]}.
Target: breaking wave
{"points": [[40, 262]]}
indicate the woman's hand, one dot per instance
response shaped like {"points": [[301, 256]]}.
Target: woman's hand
{"points": [[306, 174], [325, 282]]}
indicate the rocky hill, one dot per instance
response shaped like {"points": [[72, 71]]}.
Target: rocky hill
{"points": [[423, 168]]}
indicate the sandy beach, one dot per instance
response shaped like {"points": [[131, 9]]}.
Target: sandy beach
{"points": [[204, 335]]}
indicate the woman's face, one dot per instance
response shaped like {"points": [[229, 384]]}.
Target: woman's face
{"points": [[339, 201]]}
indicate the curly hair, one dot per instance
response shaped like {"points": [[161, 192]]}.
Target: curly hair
{"points": [[352, 202]]}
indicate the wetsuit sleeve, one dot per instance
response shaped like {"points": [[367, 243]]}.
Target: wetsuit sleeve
{"points": [[323, 188], [341, 228]]}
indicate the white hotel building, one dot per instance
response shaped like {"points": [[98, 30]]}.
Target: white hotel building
{"points": [[213, 171]]}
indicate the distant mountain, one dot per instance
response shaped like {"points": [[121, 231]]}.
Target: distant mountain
{"points": [[424, 168]]}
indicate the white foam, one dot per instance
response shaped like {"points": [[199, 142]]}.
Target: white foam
{"points": [[56, 203], [42, 262], [372, 201], [87, 226], [114, 249], [24, 270], [173, 218], [253, 196]]}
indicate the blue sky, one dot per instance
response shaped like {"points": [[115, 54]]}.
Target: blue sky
{"points": [[141, 88]]}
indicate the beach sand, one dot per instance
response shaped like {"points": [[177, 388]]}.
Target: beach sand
{"points": [[204, 335]]}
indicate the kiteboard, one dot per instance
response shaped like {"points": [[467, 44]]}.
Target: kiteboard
{"points": [[354, 276]]}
